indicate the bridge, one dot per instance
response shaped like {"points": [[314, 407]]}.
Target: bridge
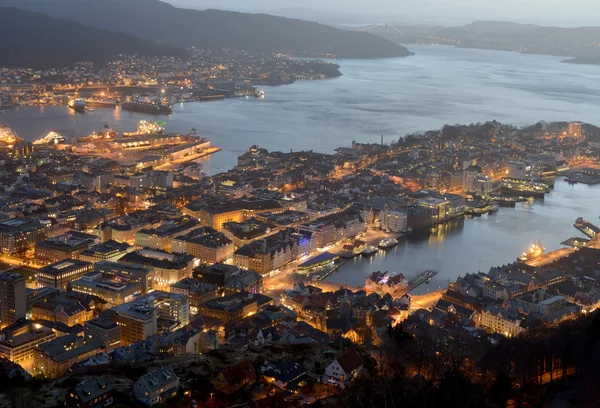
{"points": [[384, 25]]}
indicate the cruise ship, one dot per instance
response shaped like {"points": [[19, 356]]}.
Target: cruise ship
{"points": [[388, 243], [52, 138]]}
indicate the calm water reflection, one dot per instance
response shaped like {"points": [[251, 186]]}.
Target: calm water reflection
{"points": [[472, 244]]}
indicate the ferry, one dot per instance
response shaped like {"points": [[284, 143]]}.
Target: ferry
{"points": [[388, 243], [52, 138], [78, 105], [369, 251], [535, 251]]}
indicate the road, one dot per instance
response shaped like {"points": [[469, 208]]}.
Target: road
{"points": [[425, 301]]}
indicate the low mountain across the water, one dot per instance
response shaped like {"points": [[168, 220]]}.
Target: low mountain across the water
{"points": [[163, 23], [36, 40]]}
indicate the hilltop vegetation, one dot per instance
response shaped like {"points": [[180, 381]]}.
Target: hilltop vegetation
{"points": [[35, 40], [163, 23]]}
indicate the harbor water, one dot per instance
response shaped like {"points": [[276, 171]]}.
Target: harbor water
{"points": [[392, 97]]}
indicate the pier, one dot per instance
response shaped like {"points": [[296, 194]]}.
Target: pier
{"points": [[417, 281], [550, 257], [575, 242], [587, 228]]}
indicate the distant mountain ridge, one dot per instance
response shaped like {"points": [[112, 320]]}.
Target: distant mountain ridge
{"points": [[579, 43], [35, 40], [156, 21]]}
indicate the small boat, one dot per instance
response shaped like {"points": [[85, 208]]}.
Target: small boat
{"points": [[388, 243], [349, 252], [494, 208], [369, 251], [260, 94]]}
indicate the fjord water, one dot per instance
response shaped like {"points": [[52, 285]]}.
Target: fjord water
{"points": [[393, 97], [390, 97]]}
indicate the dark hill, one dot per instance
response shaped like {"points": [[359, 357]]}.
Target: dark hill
{"points": [[163, 23], [35, 40]]}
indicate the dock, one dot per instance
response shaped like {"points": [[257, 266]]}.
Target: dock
{"points": [[417, 281], [550, 257], [587, 228], [576, 242]]}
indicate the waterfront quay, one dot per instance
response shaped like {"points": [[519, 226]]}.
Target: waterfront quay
{"points": [[152, 85]]}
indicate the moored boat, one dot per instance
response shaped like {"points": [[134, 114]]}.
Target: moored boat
{"points": [[52, 138], [369, 251], [388, 243]]}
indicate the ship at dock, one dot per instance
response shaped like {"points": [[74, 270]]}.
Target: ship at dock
{"points": [[388, 243], [536, 251], [520, 187], [8, 137], [104, 135], [147, 128], [78, 105], [102, 103], [156, 108], [51, 139], [369, 251]]}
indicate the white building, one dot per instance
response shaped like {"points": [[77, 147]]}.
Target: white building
{"points": [[501, 321], [517, 169], [393, 220], [345, 368]]}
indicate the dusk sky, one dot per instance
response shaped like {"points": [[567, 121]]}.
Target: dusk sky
{"points": [[557, 12]]}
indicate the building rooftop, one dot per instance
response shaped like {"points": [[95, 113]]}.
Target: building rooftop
{"points": [[206, 237], [158, 379], [93, 388], [67, 347], [64, 266]]}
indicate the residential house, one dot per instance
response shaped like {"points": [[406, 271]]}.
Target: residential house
{"points": [[235, 377], [156, 386]]}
